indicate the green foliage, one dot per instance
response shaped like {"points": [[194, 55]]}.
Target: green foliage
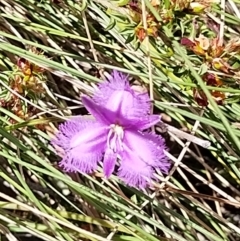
{"points": [[199, 199]]}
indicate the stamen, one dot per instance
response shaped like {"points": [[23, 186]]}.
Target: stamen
{"points": [[115, 137], [109, 136]]}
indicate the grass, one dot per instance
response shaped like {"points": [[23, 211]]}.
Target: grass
{"points": [[66, 49]]}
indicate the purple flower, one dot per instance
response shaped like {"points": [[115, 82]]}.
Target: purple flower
{"points": [[115, 135]]}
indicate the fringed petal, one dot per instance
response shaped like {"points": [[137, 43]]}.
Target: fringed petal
{"points": [[142, 153], [74, 161], [68, 129], [117, 95], [134, 171], [83, 142], [148, 147]]}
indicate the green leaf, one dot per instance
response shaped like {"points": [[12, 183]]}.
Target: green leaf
{"points": [[203, 69], [122, 2], [111, 25]]}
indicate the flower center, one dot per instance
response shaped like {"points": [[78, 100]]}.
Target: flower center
{"points": [[115, 137]]}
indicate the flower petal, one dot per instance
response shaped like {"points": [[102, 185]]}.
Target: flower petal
{"points": [[100, 113], [146, 122], [117, 81], [83, 142], [147, 147], [68, 129], [121, 103], [109, 162], [142, 152], [115, 115], [74, 162], [90, 138], [133, 171], [117, 95]]}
